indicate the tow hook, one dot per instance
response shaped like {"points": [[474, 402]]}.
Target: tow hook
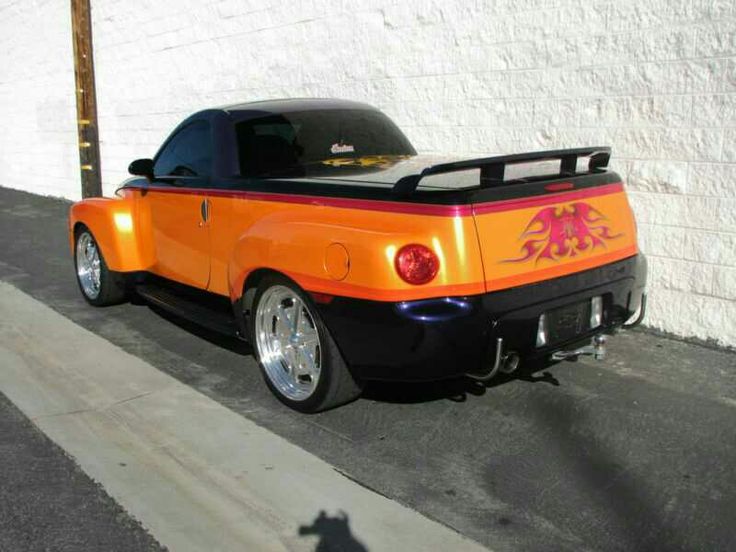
{"points": [[596, 349]]}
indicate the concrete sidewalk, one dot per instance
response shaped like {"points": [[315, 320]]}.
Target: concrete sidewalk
{"points": [[199, 476]]}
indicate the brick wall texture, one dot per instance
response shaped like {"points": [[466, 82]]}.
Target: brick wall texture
{"points": [[655, 79]]}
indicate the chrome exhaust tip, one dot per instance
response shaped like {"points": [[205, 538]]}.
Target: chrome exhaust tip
{"points": [[510, 363], [506, 363]]}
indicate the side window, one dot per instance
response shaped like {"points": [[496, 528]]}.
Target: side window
{"points": [[188, 153]]}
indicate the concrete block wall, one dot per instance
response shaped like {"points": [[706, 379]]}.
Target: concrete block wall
{"points": [[655, 79]]}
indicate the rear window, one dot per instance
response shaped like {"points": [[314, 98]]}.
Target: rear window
{"points": [[312, 141]]}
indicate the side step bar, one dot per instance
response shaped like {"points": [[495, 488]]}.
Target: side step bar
{"points": [[187, 306]]}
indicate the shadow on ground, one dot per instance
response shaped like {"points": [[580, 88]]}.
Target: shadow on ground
{"points": [[334, 533], [457, 390], [620, 498]]}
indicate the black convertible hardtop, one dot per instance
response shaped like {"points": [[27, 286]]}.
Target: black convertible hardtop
{"points": [[405, 177]]}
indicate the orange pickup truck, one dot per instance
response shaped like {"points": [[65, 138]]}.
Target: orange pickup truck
{"points": [[312, 229]]}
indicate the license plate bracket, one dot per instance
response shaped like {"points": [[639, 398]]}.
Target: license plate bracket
{"points": [[568, 321]]}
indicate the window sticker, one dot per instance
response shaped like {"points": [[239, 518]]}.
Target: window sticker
{"points": [[342, 148], [379, 161]]}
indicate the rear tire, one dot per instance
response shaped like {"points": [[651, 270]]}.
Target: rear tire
{"points": [[298, 358], [99, 285]]}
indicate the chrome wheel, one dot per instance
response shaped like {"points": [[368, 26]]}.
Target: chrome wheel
{"points": [[288, 342], [88, 265]]}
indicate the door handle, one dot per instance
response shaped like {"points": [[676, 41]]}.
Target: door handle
{"points": [[204, 210]]}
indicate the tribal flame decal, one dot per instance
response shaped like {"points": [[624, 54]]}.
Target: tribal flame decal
{"points": [[565, 231]]}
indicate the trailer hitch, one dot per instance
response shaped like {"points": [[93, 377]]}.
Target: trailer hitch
{"points": [[596, 349]]}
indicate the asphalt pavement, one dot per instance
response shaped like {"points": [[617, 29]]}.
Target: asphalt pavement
{"points": [[48, 503], [634, 453]]}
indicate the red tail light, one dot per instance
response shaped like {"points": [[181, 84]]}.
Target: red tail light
{"points": [[416, 264]]}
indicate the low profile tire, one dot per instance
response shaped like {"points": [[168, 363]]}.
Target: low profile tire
{"points": [[299, 360], [99, 285]]}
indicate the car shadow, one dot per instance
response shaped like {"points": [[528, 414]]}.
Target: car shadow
{"points": [[602, 475], [456, 390]]}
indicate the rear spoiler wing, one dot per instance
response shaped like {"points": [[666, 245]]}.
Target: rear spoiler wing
{"points": [[492, 169]]}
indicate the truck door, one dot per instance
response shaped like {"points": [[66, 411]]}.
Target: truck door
{"points": [[180, 208]]}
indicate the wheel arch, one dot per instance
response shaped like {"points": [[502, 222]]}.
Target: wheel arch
{"points": [[250, 285], [243, 303]]}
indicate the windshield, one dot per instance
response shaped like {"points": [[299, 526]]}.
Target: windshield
{"points": [[290, 142]]}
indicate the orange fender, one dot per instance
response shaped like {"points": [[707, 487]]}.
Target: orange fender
{"points": [[330, 250], [121, 232]]}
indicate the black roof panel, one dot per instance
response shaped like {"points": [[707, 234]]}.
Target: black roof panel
{"points": [[258, 108]]}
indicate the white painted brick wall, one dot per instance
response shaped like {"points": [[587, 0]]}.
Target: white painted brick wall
{"points": [[655, 79], [38, 140]]}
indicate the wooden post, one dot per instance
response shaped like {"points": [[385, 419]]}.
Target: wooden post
{"points": [[84, 76]]}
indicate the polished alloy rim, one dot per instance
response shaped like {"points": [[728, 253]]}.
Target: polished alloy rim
{"points": [[288, 343], [88, 265]]}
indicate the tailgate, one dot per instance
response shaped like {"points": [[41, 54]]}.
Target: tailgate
{"points": [[530, 239], [541, 215]]}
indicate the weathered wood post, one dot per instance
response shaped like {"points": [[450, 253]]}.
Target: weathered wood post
{"points": [[84, 76]]}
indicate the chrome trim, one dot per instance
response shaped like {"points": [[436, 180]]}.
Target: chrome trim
{"points": [[496, 364], [640, 317], [596, 349], [542, 330], [596, 312], [510, 363]]}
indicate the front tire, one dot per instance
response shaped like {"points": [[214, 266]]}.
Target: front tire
{"points": [[99, 285], [299, 360]]}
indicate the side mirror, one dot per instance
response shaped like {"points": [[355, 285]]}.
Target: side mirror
{"points": [[141, 167]]}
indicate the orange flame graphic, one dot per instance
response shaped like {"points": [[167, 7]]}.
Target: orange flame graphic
{"points": [[559, 232]]}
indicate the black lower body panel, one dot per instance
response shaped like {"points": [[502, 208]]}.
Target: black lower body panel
{"points": [[451, 336]]}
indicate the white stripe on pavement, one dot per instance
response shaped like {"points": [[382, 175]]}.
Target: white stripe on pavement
{"points": [[194, 473]]}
